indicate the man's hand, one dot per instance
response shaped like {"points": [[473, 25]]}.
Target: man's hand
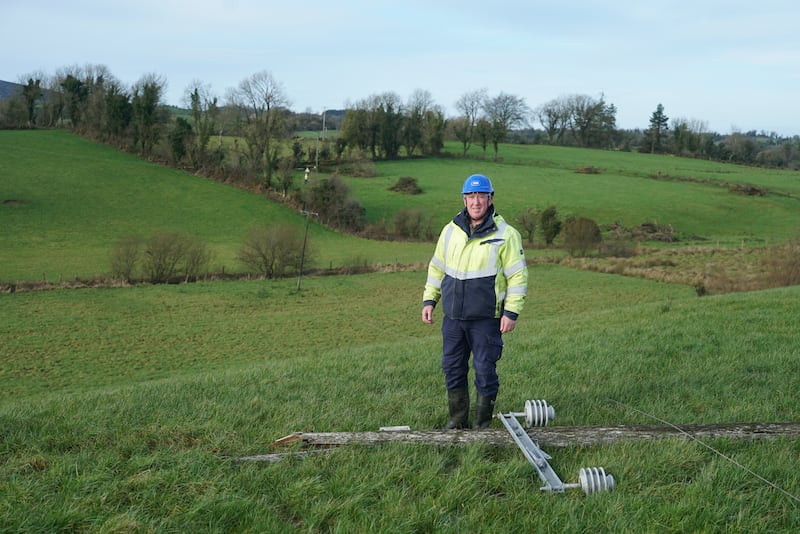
{"points": [[507, 324], [427, 314]]}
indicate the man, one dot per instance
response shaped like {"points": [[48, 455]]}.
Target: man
{"points": [[479, 274]]}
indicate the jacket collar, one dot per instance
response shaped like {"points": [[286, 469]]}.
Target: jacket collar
{"points": [[487, 226]]}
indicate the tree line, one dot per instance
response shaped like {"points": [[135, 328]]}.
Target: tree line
{"points": [[256, 114], [250, 137]]}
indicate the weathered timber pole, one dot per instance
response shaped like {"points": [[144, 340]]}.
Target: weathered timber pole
{"points": [[554, 436]]}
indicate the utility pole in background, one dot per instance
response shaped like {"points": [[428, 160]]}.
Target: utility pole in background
{"points": [[308, 215]]}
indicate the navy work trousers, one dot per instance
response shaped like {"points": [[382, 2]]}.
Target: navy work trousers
{"points": [[482, 338]]}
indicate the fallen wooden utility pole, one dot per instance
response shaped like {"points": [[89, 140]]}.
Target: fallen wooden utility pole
{"points": [[554, 436]]}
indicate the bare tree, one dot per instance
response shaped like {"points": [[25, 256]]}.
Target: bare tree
{"points": [[554, 118], [263, 108], [504, 112], [469, 106]]}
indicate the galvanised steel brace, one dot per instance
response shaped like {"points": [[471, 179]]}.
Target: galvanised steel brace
{"points": [[538, 413]]}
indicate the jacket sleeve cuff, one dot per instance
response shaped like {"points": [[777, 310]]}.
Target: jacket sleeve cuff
{"points": [[428, 302], [511, 315]]}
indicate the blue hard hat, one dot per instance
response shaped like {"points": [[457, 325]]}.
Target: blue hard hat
{"points": [[477, 183]]}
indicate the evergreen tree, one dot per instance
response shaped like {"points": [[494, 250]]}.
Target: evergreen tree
{"points": [[656, 133]]}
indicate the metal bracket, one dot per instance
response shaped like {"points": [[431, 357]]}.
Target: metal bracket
{"points": [[538, 413]]}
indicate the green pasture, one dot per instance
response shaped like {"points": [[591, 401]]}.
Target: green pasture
{"points": [[65, 201], [126, 409], [626, 190]]}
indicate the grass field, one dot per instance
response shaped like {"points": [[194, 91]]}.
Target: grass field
{"points": [[65, 201], [626, 190], [125, 409]]}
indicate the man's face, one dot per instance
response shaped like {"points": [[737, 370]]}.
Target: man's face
{"points": [[477, 204]]}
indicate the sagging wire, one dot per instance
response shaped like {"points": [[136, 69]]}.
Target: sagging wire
{"points": [[709, 447]]}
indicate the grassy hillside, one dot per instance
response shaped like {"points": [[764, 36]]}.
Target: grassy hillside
{"points": [[630, 188], [65, 201], [126, 409]]}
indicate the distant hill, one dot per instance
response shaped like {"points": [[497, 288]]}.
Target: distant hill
{"points": [[9, 89]]}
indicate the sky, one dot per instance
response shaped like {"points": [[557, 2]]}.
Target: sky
{"points": [[731, 65]]}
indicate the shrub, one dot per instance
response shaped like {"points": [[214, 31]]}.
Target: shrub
{"points": [[377, 231], [273, 250], [359, 166], [125, 256], [411, 224], [163, 253], [550, 224], [526, 224], [618, 247], [331, 200], [197, 258], [166, 256], [406, 185], [652, 231], [580, 235]]}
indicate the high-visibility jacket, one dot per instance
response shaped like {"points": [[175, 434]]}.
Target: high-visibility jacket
{"points": [[478, 276]]}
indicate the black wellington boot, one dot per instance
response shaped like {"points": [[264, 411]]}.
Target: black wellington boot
{"points": [[458, 404], [484, 409]]}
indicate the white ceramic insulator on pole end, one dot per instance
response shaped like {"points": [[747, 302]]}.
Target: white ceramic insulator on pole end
{"points": [[595, 480], [538, 413]]}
